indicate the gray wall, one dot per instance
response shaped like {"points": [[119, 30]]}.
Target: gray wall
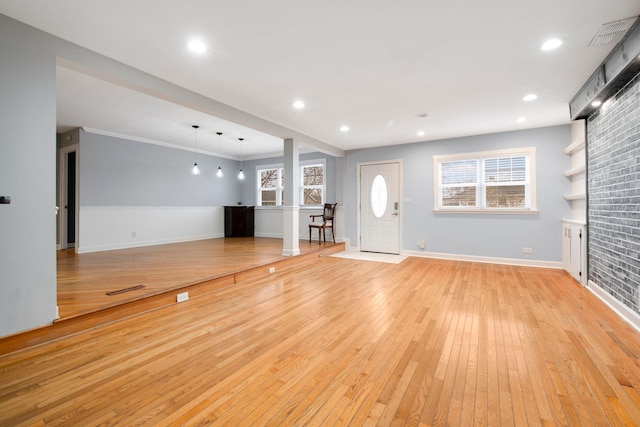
{"points": [[486, 235], [613, 190], [333, 176], [27, 174], [121, 172]]}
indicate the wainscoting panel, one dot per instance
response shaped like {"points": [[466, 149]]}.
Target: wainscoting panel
{"points": [[118, 227]]}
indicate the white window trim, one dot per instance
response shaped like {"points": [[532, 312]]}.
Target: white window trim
{"points": [[530, 152], [279, 190]]}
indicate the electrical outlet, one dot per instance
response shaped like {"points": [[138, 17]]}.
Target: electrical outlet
{"points": [[182, 297], [272, 270], [421, 244], [133, 234], [527, 250]]}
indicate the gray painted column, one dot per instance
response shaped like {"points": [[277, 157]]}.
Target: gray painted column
{"points": [[291, 206]]}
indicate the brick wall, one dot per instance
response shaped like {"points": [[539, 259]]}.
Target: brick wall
{"points": [[613, 194]]}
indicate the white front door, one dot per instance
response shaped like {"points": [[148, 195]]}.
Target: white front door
{"points": [[380, 207]]}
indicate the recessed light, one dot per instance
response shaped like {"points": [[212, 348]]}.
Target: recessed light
{"points": [[344, 128], [521, 119], [197, 46], [298, 105], [551, 44], [420, 133], [596, 103], [530, 97]]}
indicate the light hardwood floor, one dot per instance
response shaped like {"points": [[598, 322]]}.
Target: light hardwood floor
{"points": [[344, 342], [83, 280]]}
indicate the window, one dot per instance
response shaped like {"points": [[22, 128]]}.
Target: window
{"points": [[270, 185], [496, 181], [312, 178]]}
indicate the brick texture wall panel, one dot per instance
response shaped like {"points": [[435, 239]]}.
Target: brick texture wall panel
{"points": [[613, 194]]}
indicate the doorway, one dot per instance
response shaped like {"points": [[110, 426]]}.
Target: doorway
{"points": [[380, 215], [68, 212]]}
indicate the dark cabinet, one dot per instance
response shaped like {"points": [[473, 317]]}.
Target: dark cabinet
{"points": [[238, 221]]}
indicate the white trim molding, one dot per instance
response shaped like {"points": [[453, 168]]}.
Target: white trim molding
{"points": [[628, 315], [486, 260], [290, 230]]}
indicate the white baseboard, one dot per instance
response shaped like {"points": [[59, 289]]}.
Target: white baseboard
{"points": [[269, 235], [628, 315], [486, 260]]}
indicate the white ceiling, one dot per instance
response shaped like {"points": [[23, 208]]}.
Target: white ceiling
{"points": [[373, 65]]}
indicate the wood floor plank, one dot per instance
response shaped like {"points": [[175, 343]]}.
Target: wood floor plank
{"points": [[84, 279], [344, 342]]}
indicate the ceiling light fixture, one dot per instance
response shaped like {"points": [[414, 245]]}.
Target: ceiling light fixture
{"points": [[420, 133], [197, 46], [219, 173], [530, 97], [298, 105], [196, 169], [596, 103], [344, 128], [551, 44], [521, 119], [241, 173]]}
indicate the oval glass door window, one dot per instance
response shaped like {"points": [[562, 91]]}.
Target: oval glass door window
{"points": [[379, 196]]}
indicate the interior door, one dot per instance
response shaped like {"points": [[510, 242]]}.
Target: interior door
{"points": [[380, 208], [68, 208], [70, 205]]}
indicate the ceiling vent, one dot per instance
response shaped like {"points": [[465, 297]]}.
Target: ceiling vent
{"points": [[619, 67], [612, 32]]}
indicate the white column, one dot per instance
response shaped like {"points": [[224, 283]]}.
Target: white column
{"points": [[291, 206]]}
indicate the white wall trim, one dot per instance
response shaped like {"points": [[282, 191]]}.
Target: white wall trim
{"points": [[154, 142], [269, 235], [487, 260], [619, 308]]}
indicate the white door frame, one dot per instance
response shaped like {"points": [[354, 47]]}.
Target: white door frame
{"points": [[62, 212], [400, 198]]}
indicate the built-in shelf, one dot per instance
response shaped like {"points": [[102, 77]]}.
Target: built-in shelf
{"points": [[575, 171], [579, 196], [575, 146]]}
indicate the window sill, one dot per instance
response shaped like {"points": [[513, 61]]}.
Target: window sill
{"points": [[488, 211]]}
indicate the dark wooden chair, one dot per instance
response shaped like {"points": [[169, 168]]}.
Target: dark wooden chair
{"points": [[326, 222]]}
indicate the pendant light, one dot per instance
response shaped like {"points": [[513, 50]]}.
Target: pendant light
{"points": [[219, 174], [196, 169], [241, 173]]}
